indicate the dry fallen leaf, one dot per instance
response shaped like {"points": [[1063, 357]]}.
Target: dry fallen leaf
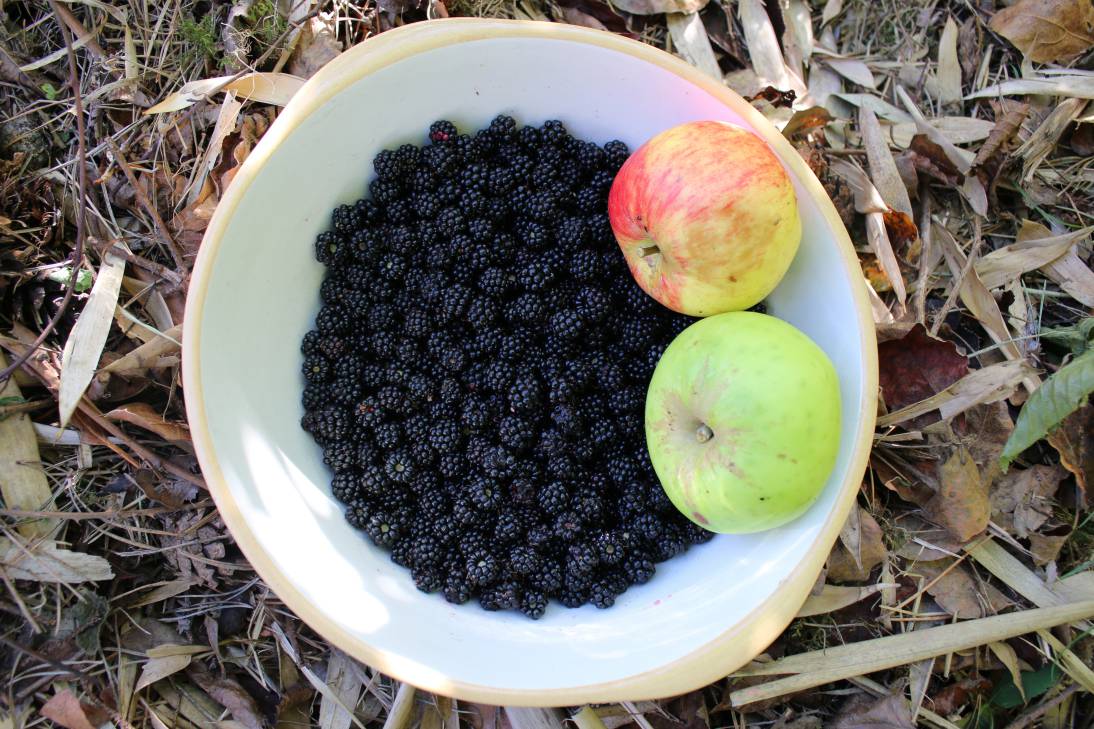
{"points": [[67, 711], [1021, 501], [142, 415], [844, 567], [1003, 265], [576, 16], [1048, 31], [23, 482], [837, 597], [950, 699], [316, 46], [48, 562], [1046, 548], [961, 505], [161, 667], [913, 368], [267, 88], [656, 7], [956, 592], [930, 159], [1073, 439], [888, 712], [692, 43]]}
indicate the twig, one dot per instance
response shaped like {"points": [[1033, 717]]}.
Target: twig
{"points": [[1038, 711], [81, 213], [157, 219], [173, 278], [956, 290]]}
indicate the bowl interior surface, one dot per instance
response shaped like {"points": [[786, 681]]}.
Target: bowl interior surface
{"points": [[262, 295]]}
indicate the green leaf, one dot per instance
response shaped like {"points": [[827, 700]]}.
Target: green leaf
{"points": [[84, 278], [1035, 683], [1061, 394], [1077, 337], [50, 92]]}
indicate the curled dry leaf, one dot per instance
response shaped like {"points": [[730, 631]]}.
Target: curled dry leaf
{"points": [[805, 121], [266, 88], [657, 7], [837, 597], [1003, 265], [916, 366], [160, 667], [844, 567], [930, 159], [1021, 501], [1045, 548], [1048, 31], [229, 694], [961, 505], [142, 415]]}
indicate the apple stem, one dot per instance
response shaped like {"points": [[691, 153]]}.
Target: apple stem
{"points": [[650, 250], [703, 433]]}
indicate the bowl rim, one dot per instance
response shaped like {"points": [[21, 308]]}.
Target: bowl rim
{"points": [[718, 657]]}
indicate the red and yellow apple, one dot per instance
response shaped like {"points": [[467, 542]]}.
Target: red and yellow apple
{"points": [[706, 217]]}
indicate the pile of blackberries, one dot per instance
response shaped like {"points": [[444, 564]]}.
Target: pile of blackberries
{"points": [[477, 373]]}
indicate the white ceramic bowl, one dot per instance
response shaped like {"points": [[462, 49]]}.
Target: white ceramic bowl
{"points": [[255, 293]]}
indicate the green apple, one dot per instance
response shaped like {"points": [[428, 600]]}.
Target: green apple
{"points": [[743, 422]]}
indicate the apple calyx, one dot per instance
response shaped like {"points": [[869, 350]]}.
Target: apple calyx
{"points": [[703, 433]]}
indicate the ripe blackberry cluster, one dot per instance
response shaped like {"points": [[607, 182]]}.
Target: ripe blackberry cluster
{"points": [[477, 373]]}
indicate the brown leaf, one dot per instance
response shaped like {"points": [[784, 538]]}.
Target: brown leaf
{"points": [[984, 431], [775, 97], [723, 32], [65, 709], [926, 542], [805, 121], [229, 694], [969, 51], [316, 46], [842, 565], [900, 226], [916, 366], [656, 7], [1046, 548], [950, 699], [1082, 140], [1022, 500], [576, 16], [961, 505], [957, 592], [142, 415], [1048, 31], [888, 712], [1073, 439], [1004, 130], [930, 159]]}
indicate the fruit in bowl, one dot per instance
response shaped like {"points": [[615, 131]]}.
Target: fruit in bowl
{"points": [[742, 422], [706, 216]]}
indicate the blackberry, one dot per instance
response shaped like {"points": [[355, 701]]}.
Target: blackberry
{"points": [[501, 597], [543, 205], [481, 313], [332, 320], [602, 596], [513, 346], [568, 526], [475, 415], [533, 604], [647, 526], [344, 486], [442, 131], [527, 309], [382, 529], [589, 505], [399, 467], [427, 579], [617, 153], [498, 463], [584, 265], [581, 559], [523, 560], [387, 435], [609, 548], [444, 436], [382, 345], [638, 568], [453, 359], [547, 577], [627, 400], [561, 465], [316, 370], [330, 424], [502, 127], [573, 597], [516, 433], [424, 551], [509, 527], [345, 219], [554, 132], [316, 396], [525, 394], [485, 493], [457, 589], [340, 456], [450, 222], [567, 324], [482, 569], [386, 166]]}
